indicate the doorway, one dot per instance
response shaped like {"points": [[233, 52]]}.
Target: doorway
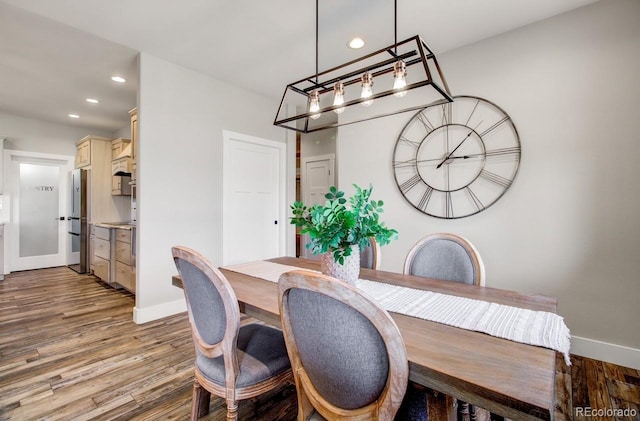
{"points": [[254, 198], [36, 200], [318, 175]]}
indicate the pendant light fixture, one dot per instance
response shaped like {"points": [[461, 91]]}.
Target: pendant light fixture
{"points": [[367, 89], [405, 66], [400, 67], [338, 97], [314, 98]]}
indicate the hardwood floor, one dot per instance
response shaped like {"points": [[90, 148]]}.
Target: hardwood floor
{"points": [[69, 350]]}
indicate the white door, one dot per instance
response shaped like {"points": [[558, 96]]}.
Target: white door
{"points": [[38, 194], [318, 174], [254, 195]]}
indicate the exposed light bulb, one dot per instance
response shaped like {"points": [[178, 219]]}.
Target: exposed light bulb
{"points": [[367, 88], [400, 78], [118, 79], [338, 96], [314, 104]]}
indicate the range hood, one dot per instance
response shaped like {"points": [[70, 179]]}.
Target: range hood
{"points": [[121, 165]]}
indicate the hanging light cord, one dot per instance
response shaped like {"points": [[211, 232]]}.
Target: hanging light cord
{"points": [[395, 25], [317, 43]]}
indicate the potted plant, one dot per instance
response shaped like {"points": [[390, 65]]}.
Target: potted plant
{"points": [[337, 232]]}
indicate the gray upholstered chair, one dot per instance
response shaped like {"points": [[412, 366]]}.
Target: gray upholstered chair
{"points": [[370, 255], [348, 357], [445, 256], [232, 362], [449, 257]]}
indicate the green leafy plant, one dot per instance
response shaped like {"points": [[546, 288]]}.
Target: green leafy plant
{"points": [[333, 227]]}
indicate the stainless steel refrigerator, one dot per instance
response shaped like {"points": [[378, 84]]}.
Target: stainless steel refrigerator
{"points": [[78, 228]]}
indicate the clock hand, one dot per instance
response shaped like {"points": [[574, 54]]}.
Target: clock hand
{"points": [[446, 158], [460, 157]]}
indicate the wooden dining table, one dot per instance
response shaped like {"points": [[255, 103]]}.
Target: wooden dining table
{"points": [[507, 378]]}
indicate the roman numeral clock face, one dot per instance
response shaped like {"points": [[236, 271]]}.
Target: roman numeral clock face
{"points": [[456, 159]]}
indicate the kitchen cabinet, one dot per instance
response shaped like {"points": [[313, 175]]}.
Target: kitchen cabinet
{"points": [[83, 154], [113, 254], [134, 143], [134, 133], [120, 185], [100, 261], [125, 271], [121, 167], [94, 153], [92, 150]]}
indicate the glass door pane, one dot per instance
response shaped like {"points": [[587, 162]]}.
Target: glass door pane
{"points": [[39, 208]]}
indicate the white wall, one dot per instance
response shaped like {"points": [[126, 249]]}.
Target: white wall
{"points": [[181, 118], [27, 134], [568, 227], [124, 132], [318, 143]]}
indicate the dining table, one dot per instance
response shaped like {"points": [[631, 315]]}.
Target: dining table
{"points": [[510, 379]]}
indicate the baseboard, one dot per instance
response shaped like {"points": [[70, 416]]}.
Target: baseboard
{"points": [[612, 353], [148, 314]]}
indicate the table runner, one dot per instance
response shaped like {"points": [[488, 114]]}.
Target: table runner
{"points": [[541, 328]]}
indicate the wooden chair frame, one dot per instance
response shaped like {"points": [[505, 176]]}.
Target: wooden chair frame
{"points": [[375, 248], [227, 347], [386, 406], [465, 411], [476, 260]]}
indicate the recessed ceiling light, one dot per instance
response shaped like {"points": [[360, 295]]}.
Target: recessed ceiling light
{"points": [[74, 116], [118, 79], [92, 100], [356, 43]]}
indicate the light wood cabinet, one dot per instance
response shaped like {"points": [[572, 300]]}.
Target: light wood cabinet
{"points": [[120, 164], [125, 271], [101, 252], [134, 134], [118, 146], [120, 186], [94, 153], [101, 269], [83, 153], [112, 256], [92, 150]]}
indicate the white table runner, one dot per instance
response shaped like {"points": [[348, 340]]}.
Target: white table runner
{"points": [[531, 327]]}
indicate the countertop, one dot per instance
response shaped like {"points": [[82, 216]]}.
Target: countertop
{"points": [[118, 225]]}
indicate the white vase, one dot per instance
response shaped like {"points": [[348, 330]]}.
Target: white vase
{"points": [[348, 272]]}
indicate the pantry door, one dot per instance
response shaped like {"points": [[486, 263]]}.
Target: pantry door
{"points": [[37, 192], [254, 198]]}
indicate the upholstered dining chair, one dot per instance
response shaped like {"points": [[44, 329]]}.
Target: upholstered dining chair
{"points": [[449, 257], [370, 255], [348, 358], [231, 362], [446, 256]]}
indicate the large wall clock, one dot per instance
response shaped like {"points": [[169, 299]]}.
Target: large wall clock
{"points": [[456, 159]]}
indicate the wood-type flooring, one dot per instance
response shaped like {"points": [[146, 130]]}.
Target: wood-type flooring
{"points": [[69, 350]]}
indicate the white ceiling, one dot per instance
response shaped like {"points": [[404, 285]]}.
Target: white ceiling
{"points": [[56, 53]]}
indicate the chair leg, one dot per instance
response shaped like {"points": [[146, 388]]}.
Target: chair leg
{"points": [[463, 411], [438, 405], [232, 410], [472, 413], [200, 401]]}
